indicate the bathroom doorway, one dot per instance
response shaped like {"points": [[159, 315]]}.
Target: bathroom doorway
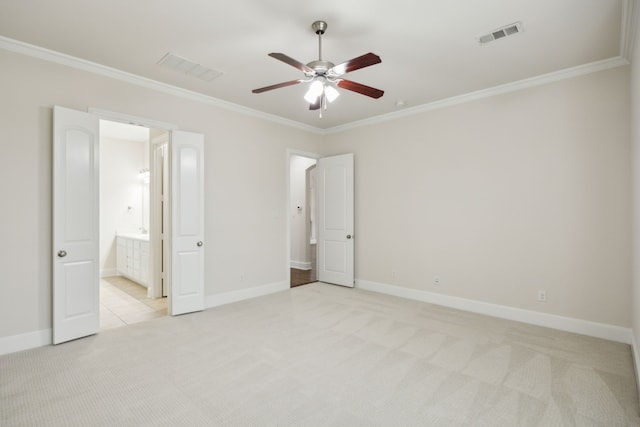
{"points": [[127, 229], [303, 229], [76, 222]]}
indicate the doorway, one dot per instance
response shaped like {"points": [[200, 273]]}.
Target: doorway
{"points": [[127, 275], [333, 202], [303, 223], [76, 218]]}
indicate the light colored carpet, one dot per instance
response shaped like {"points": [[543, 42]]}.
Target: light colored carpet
{"points": [[322, 355]]}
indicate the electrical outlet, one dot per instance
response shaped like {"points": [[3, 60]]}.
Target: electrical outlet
{"points": [[542, 296], [436, 280]]}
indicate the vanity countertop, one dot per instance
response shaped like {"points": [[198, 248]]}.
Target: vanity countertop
{"points": [[135, 236]]}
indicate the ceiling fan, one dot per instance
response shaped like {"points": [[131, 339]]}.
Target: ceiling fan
{"points": [[324, 75]]}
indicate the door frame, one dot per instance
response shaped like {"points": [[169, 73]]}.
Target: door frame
{"points": [[154, 248], [131, 120], [96, 115], [159, 218], [292, 152]]}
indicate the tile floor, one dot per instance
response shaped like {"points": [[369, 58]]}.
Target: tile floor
{"points": [[123, 302]]}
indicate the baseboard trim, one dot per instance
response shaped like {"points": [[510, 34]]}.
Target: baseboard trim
{"points": [[636, 360], [108, 272], [300, 265], [243, 294], [27, 341], [568, 324]]}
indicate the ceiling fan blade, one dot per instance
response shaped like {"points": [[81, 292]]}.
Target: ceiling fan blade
{"points": [[360, 88], [277, 86], [316, 105], [288, 60], [355, 64]]}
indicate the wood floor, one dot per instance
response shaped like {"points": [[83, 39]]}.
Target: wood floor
{"points": [[304, 277]]}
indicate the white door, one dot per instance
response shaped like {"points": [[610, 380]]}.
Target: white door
{"points": [[76, 288], [187, 223], [334, 177]]}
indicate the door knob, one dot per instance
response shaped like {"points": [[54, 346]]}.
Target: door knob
{"points": [[199, 243], [62, 253], [348, 236]]}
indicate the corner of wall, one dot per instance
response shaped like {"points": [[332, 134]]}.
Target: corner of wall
{"points": [[633, 54]]}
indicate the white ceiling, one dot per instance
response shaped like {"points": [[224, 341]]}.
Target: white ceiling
{"points": [[429, 48]]}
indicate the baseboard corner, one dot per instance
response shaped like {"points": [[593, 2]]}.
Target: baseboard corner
{"points": [[300, 265], [108, 272]]}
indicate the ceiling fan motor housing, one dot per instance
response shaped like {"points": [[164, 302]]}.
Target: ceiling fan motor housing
{"points": [[320, 67]]}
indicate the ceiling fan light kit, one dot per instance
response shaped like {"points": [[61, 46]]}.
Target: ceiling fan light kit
{"points": [[324, 76]]}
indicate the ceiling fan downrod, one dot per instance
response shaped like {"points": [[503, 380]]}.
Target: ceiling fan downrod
{"points": [[319, 27]]}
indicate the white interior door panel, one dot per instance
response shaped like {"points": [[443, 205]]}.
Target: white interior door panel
{"points": [[187, 222], [335, 220], [76, 288]]}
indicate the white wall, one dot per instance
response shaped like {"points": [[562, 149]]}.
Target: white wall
{"points": [[245, 179], [635, 160], [499, 197], [299, 246], [502, 197], [124, 198]]}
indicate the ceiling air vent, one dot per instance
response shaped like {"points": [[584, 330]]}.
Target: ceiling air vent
{"points": [[188, 67], [507, 30]]}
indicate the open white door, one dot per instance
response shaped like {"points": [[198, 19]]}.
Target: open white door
{"points": [[76, 285], [187, 223], [335, 219]]}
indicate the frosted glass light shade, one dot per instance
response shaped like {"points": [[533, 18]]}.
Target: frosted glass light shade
{"points": [[331, 93], [315, 90]]}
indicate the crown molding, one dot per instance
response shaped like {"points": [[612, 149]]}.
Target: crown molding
{"points": [[629, 24], [543, 79], [103, 70]]}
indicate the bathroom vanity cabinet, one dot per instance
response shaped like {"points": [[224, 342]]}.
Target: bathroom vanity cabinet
{"points": [[132, 255]]}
